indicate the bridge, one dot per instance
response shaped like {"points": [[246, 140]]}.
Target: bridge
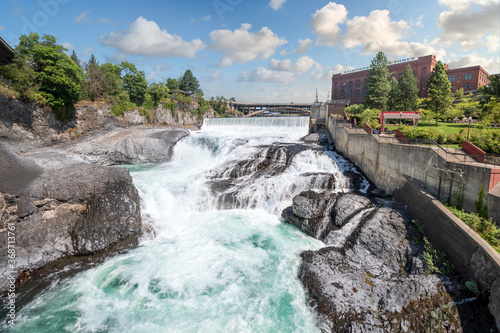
{"points": [[253, 109]]}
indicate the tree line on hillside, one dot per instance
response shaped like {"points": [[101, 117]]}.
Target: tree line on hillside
{"points": [[385, 92], [42, 72]]}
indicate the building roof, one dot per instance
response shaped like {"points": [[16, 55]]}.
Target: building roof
{"points": [[6, 52]]}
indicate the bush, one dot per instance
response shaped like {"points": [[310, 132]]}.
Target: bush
{"points": [[424, 133], [122, 107], [435, 261]]}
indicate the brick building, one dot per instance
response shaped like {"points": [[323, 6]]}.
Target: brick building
{"points": [[353, 85]]}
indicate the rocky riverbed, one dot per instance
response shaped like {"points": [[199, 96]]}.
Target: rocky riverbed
{"points": [[63, 201]]}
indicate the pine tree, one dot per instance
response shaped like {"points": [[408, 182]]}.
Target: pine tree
{"points": [[74, 57], [394, 96], [438, 91], [408, 97], [378, 84], [189, 82]]}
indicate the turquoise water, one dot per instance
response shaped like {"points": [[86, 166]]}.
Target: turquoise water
{"points": [[202, 270]]}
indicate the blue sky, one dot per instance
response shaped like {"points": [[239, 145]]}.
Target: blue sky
{"points": [[262, 50]]}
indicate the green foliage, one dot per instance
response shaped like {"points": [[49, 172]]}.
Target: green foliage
{"points": [[122, 107], [486, 139], [23, 78], [472, 286], [134, 82], [74, 57], [158, 92], [172, 84], [435, 261], [148, 102], [56, 76], [188, 82], [438, 91], [486, 228], [355, 109], [481, 208], [418, 225], [408, 98], [424, 133], [202, 106], [378, 86], [145, 113], [219, 105], [394, 97]]}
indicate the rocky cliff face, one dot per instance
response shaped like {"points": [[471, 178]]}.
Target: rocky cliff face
{"points": [[370, 276], [37, 126], [62, 208]]}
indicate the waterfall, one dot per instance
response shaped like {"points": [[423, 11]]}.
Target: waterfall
{"points": [[252, 124], [206, 269]]}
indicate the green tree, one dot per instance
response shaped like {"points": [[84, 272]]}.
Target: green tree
{"points": [[438, 91], [394, 96], [158, 91], [378, 84], [57, 76], [189, 82], [92, 60], [74, 57], [408, 89], [172, 84], [23, 77], [134, 82], [490, 103]]}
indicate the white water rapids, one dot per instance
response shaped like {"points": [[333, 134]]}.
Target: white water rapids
{"points": [[205, 270]]}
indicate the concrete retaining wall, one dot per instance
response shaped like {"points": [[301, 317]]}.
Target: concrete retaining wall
{"points": [[385, 161], [472, 256]]}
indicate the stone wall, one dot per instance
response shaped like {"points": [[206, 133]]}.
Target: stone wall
{"points": [[471, 255], [385, 161]]}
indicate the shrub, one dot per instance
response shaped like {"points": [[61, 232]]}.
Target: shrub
{"points": [[435, 261], [122, 107]]}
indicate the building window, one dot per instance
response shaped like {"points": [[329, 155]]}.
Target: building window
{"points": [[459, 77], [358, 86], [342, 96], [452, 78], [453, 87], [350, 82], [356, 94], [467, 85], [365, 92], [468, 76], [343, 83], [358, 82]]}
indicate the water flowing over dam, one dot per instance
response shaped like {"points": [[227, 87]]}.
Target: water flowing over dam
{"points": [[220, 259]]}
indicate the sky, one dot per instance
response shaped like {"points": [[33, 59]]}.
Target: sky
{"points": [[262, 50]]}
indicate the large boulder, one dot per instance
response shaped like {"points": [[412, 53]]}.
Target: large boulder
{"points": [[62, 209], [130, 146]]}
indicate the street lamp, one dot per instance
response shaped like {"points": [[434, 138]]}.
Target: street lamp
{"points": [[400, 116], [468, 130]]}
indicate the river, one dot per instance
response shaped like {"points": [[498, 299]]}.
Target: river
{"points": [[202, 269]]}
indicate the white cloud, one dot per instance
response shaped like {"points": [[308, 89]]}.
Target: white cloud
{"points": [[68, 45], [304, 46], [215, 76], [242, 46], [491, 65], [418, 23], [87, 51], [276, 4], [82, 17], [333, 70], [326, 21], [281, 65], [206, 18], [376, 30], [305, 63], [145, 37], [162, 67], [1, 27], [265, 75], [471, 24]]}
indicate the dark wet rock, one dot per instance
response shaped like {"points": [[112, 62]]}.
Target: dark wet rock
{"points": [[64, 209], [16, 172], [373, 280], [355, 179], [319, 213]]}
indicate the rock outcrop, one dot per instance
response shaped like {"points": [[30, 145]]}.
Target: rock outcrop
{"points": [[370, 276], [130, 146], [60, 209]]}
